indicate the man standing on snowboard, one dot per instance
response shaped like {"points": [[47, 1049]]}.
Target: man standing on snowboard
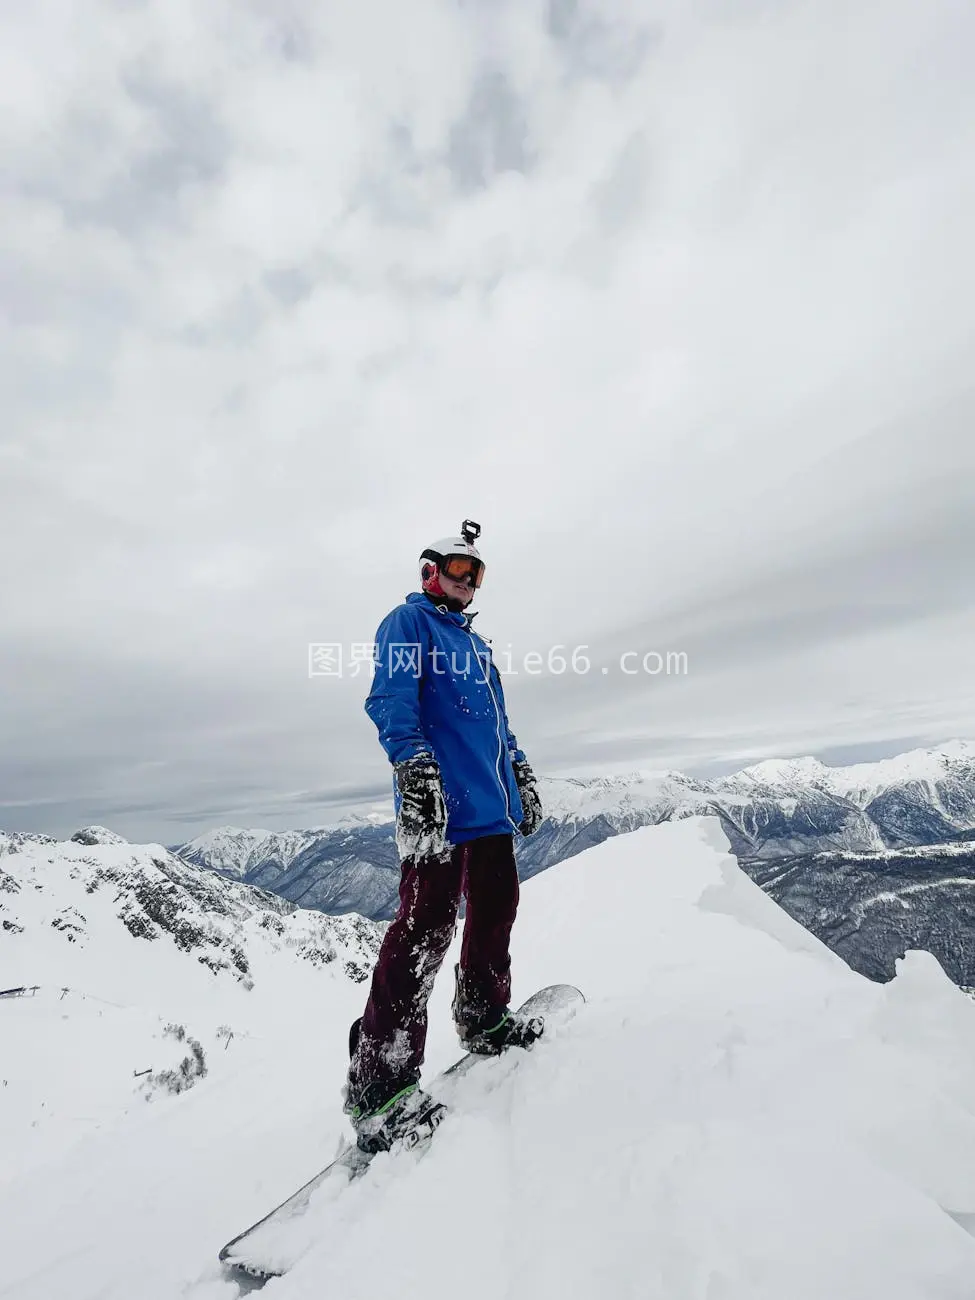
{"points": [[462, 788]]}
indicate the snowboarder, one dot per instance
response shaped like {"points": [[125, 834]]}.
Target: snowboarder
{"points": [[462, 788]]}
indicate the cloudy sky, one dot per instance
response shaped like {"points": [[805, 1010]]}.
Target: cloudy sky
{"points": [[676, 298]]}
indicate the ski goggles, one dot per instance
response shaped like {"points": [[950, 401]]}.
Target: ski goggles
{"points": [[463, 568]]}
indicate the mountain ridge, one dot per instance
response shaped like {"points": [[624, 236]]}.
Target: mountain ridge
{"points": [[773, 809]]}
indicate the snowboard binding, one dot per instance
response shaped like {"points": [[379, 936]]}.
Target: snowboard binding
{"points": [[407, 1123], [385, 1114], [489, 1031]]}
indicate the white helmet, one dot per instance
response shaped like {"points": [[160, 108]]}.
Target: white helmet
{"points": [[457, 553]]}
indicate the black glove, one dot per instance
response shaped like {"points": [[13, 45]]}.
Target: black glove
{"points": [[531, 802], [421, 823]]}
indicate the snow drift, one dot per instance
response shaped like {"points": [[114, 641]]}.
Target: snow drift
{"points": [[734, 1115]]}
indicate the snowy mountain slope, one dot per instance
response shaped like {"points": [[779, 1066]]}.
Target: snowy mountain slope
{"points": [[120, 941], [735, 1115], [239, 853], [771, 810], [70, 908], [784, 806], [871, 908], [925, 796], [351, 867], [944, 777], [950, 764]]}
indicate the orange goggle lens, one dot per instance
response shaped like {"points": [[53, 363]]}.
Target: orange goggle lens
{"points": [[463, 567]]}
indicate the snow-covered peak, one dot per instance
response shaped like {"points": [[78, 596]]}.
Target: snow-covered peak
{"points": [[97, 835], [234, 850], [377, 815], [14, 841], [956, 749], [614, 796], [915, 765], [785, 772], [675, 794], [863, 781], [230, 840]]}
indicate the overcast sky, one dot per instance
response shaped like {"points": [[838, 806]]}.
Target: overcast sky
{"points": [[677, 299]]}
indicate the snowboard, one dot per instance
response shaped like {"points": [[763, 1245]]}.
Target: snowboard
{"points": [[270, 1246]]}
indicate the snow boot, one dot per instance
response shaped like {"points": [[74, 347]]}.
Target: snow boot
{"points": [[384, 1111], [487, 1030], [382, 1117]]}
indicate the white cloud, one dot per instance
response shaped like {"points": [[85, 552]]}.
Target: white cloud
{"points": [[676, 299]]}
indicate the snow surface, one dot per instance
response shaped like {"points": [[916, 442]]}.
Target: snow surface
{"points": [[77, 1049], [734, 1115]]}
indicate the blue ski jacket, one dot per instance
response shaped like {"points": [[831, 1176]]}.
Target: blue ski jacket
{"points": [[436, 690]]}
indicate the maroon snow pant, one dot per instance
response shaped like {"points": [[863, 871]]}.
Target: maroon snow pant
{"points": [[394, 1025]]}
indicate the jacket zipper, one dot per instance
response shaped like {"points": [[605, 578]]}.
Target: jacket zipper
{"points": [[497, 717], [497, 731]]}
